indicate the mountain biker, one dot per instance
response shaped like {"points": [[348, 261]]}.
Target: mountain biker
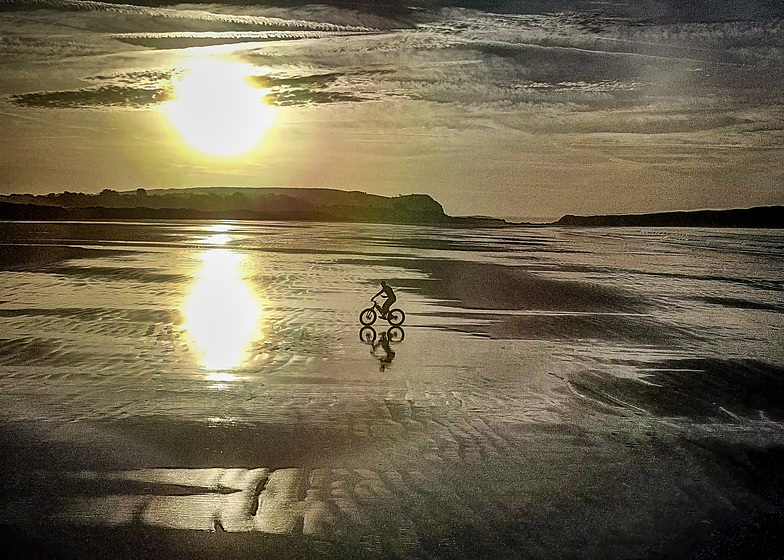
{"points": [[388, 293]]}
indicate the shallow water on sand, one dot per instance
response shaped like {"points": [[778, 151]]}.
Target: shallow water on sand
{"points": [[557, 392]]}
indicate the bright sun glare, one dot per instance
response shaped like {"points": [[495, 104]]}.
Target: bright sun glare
{"points": [[216, 110], [221, 314]]}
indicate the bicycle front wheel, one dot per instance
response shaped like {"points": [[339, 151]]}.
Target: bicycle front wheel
{"points": [[368, 316], [396, 334], [396, 317]]}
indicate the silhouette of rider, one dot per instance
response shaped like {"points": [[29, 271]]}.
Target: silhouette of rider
{"points": [[388, 293]]}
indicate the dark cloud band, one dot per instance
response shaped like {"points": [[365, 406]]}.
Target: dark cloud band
{"points": [[125, 91]]}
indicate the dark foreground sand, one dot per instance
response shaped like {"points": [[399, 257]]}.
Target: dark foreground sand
{"points": [[554, 397], [465, 489]]}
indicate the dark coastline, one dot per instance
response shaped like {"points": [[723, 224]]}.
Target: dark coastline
{"points": [[267, 204], [33, 212], [332, 205], [758, 217]]}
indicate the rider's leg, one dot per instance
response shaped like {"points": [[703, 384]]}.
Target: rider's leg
{"points": [[385, 308]]}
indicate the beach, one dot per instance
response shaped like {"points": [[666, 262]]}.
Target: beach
{"points": [[188, 389]]}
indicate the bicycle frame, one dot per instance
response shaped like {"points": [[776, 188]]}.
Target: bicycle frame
{"points": [[377, 307]]}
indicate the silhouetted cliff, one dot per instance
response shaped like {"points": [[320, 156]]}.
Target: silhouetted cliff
{"points": [[303, 204]]}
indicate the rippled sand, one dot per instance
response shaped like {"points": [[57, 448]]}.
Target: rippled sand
{"points": [[201, 390]]}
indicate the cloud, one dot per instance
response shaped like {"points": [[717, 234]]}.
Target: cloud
{"points": [[562, 63], [27, 46], [649, 11], [191, 14], [179, 40], [47, 29], [141, 89], [102, 96]]}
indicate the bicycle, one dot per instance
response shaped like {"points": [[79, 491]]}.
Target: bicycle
{"points": [[369, 315]]}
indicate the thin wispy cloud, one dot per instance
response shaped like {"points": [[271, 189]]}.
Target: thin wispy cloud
{"points": [[193, 13]]}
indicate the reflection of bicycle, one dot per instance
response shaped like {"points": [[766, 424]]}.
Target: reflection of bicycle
{"points": [[394, 334], [369, 315], [385, 341]]}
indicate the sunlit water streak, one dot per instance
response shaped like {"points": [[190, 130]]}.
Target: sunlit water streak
{"points": [[222, 314]]}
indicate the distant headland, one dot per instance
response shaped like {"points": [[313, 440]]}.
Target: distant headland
{"points": [[230, 203], [328, 205], [759, 217]]}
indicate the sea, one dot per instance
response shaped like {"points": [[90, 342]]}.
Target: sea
{"points": [[552, 392]]}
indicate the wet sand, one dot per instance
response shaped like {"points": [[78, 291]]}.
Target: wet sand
{"points": [[558, 393]]}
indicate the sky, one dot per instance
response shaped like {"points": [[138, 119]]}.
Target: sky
{"points": [[515, 108]]}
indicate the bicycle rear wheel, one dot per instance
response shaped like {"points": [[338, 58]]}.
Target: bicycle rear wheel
{"points": [[367, 334], [396, 317], [368, 316]]}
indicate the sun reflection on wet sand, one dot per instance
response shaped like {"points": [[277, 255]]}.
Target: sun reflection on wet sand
{"points": [[220, 228], [222, 314], [218, 239]]}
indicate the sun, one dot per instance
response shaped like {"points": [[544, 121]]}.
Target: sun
{"points": [[216, 110]]}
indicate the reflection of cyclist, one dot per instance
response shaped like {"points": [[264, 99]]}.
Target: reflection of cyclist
{"points": [[389, 354], [388, 293]]}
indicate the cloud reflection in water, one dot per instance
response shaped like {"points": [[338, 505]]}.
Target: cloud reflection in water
{"points": [[221, 313]]}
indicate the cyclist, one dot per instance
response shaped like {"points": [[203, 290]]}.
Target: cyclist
{"points": [[388, 293]]}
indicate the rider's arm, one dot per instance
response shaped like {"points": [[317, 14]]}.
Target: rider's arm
{"points": [[378, 294]]}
